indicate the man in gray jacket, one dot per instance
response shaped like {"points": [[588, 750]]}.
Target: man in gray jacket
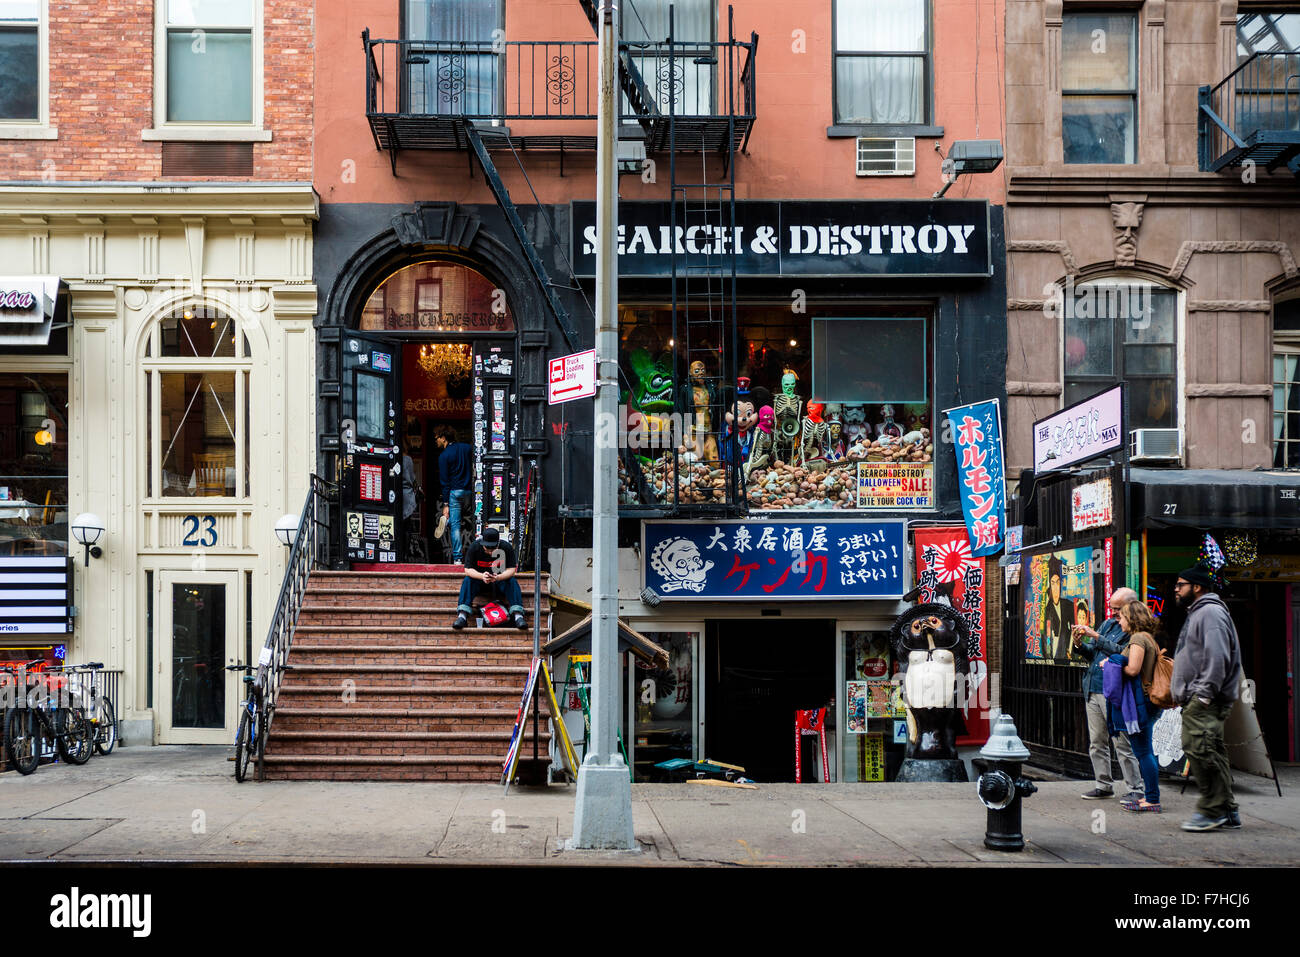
{"points": [[1206, 682], [1096, 647]]}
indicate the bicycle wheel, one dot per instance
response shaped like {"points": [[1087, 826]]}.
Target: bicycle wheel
{"points": [[77, 743], [105, 725], [244, 745], [22, 739]]}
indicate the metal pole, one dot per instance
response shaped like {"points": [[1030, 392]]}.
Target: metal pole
{"points": [[603, 813]]}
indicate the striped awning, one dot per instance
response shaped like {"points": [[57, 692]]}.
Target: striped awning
{"points": [[35, 595]]}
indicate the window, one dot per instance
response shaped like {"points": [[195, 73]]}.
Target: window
{"points": [[209, 61], [1099, 87], [197, 406], [453, 67], [1124, 331], [1266, 96], [645, 27], [882, 61], [1286, 385], [20, 68], [33, 463]]}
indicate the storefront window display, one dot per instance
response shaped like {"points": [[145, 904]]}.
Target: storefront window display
{"points": [[33, 464], [874, 719], [829, 411], [437, 297]]}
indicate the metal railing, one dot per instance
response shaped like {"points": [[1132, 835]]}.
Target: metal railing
{"points": [[310, 550], [551, 79], [1262, 94]]}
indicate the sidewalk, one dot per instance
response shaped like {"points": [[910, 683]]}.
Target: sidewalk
{"points": [[182, 804]]}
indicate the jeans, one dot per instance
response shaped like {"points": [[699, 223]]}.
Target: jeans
{"points": [[458, 500], [1099, 748], [1141, 742], [1203, 745], [506, 591]]}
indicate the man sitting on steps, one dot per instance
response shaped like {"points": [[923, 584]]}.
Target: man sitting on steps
{"points": [[490, 566]]}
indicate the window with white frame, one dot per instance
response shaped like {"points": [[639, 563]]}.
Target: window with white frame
{"points": [[1286, 385], [20, 60], [211, 49], [198, 372], [882, 61], [1099, 87], [1123, 331]]}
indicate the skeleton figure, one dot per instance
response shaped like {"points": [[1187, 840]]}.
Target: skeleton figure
{"points": [[813, 434], [760, 454], [787, 407]]}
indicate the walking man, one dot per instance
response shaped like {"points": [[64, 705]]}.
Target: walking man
{"points": [[1096, 647], [490, 570], [455, 472], [1206, 682]]}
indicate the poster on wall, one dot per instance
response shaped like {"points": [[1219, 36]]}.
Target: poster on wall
{"points": [[872, 752], [1091, 505], [855, 698], [894, 487], [869, 654], [1059, 593], [884, 699], [948, 573]]}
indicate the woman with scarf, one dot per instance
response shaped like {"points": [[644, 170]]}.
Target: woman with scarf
{"points": [[1127, 684]]}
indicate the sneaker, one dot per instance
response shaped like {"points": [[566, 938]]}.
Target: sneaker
{"points": [[1201, 822], [1097, 794], [1233, 823], [460, 622], [519, 621], [441, 528]]}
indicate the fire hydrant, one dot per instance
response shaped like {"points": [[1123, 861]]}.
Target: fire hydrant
{"points": [[1000, 786]]}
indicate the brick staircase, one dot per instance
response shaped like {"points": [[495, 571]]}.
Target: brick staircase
{"points": [[383, 688]]}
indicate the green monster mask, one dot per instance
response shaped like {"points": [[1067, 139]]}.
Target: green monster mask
{"points": [[654, 388], [788, 382]]}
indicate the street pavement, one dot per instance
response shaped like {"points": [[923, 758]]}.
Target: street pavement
{"points": [[182, 804]]}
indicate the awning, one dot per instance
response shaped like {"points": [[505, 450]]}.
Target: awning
{"points": [[578, 638], [1215, 498], [27, 306]]}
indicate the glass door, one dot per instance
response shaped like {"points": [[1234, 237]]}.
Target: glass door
{"points": [[201, 619], [371, 367], [869, 717], [664, 704]]}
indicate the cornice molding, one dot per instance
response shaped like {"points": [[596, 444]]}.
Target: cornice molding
{"points": [[127, 205]]}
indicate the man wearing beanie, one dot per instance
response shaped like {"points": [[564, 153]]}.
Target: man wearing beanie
{"points": [[490, 566], [1206, 681]]}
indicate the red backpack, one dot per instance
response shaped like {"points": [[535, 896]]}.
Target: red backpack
{"points": [[494, 614]]}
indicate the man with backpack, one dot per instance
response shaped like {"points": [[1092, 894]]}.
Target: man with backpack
{"points": [[1096, 647], [1206, 682], [490, 566]]}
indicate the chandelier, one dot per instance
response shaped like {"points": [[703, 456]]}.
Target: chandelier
{"points": [[445, 360]]}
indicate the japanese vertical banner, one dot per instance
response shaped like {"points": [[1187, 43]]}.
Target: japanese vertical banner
{"points": [[977, 439], [947, 572]]}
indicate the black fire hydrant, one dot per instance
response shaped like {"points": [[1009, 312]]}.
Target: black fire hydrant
{"points": [[1000, 786]]}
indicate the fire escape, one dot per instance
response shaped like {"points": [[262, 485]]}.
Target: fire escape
{"points": [[1252, 117], [694, 101]]}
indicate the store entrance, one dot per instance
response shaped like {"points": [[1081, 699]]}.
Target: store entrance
{"points": [[760, 673], [400, 392]]}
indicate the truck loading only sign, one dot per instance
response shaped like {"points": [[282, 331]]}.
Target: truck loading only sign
{"points": [[799, 238]]}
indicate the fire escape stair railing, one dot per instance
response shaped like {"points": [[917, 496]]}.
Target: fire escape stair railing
{"points": [[1252, 117], [629, 77]]}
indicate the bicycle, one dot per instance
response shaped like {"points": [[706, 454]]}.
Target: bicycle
{"points": [[35, 720], [250, 737], [103, 718]]}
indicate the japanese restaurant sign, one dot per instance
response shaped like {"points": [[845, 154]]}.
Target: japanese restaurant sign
{"points": [[882, 485], [977, 440], [809, 560], [919, 237]]}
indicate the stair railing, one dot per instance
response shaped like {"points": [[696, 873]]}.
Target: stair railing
{"points": [[310, 549]]}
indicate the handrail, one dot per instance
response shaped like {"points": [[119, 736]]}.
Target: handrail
{"points": [[1256, 97], [310, 550]]}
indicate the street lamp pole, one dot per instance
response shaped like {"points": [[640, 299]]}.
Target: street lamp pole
{"points": [[603, 814]]}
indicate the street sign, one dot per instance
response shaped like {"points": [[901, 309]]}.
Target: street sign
{"points": [[571, 377]]}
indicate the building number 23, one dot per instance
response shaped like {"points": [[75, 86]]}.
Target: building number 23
{"points": [[191, 523]]}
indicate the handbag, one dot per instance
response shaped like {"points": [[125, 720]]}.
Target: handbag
{"points": [[1161, 681]]}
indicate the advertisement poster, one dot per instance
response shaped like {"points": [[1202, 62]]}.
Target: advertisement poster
{"points": [[981, 478], [884, 699], [869, 654], [895, 486], [855, 698], [1059, 593], [947, 573], [1091, 505], [872, 753], [372, 483], [745, 560]]}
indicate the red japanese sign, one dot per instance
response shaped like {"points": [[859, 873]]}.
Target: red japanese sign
{"points": [[948, 573]]}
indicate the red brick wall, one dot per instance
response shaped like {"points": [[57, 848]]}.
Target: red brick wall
{"points": [[101, 96]]}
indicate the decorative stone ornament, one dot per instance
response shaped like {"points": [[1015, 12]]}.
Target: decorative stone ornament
{"points": [[1127, 218]]}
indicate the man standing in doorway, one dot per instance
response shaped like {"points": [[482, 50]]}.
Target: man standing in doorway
{"points": [[455, 472], [1096, 647], [490, 570], [1206, 682]]}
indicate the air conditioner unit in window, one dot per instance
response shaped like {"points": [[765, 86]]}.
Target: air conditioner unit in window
{"points": [[886, 156], [1156, 445]]}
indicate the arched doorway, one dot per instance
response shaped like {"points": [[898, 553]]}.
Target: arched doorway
{"points": [[429, 352]]}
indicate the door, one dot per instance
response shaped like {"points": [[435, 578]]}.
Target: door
{"points": [[496, 423], [201, 618], [371, 368], [869, 726], [664, 703]]}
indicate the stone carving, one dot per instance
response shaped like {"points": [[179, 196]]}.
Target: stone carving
{"points": [[1127, 217]]}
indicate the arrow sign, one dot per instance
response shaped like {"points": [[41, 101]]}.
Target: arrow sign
{"points": [[571, 377]]}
